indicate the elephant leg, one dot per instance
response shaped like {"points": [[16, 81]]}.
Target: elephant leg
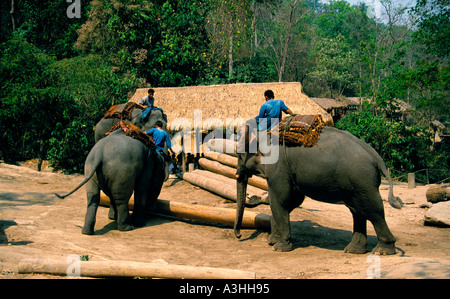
{"points": [[93, 200], [386, 241], [123, 214], [282, 203], [138, 217], [112, 214], [370, 206], [358, 244]]}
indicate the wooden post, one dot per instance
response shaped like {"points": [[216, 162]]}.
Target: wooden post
{"points": [[411, 180], [183, 162], [129, 269]]}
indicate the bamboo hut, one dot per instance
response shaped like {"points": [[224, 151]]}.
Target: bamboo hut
{"points": [[209, 107], [337, 108]]}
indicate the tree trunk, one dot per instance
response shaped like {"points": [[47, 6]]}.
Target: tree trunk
{"points": [[230, 58], [11, 12]]}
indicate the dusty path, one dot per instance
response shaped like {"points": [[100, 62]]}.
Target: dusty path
{"points": [[34, 223]]}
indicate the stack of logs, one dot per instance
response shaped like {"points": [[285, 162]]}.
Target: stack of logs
{"points": [[219, 177]]}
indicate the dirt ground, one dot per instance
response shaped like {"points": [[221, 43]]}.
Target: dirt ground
{"points": [[36, 224]]}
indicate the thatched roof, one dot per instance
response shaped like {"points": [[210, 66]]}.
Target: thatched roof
{"points": [[329, 104], [228, 105]]}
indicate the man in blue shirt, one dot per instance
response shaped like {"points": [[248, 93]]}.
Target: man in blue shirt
{"points": [[269, 110], [160, 137]]}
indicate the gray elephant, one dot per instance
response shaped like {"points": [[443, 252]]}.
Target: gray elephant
{"points": [[119, 165], [105, 124], [339, 168]]}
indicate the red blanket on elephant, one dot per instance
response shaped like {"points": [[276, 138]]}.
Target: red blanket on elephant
{"points": [[134, 132], [301, 129]]}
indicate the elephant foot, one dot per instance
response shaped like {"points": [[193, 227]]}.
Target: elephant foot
{"points": [[384, 249], [139, 223], [283, 247], [271, 240], [125, 227], [358, 245], [87, 231]]}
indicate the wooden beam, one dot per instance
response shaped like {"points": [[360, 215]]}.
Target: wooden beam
{"points": [[127, 269]]}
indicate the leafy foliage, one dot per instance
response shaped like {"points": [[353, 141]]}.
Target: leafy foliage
{"points": [[403, 148]]}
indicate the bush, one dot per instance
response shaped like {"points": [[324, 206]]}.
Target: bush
{"points": [[404, 149]]}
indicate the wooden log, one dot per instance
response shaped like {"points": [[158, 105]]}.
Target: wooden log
{"points": [[218, 186], [127, 269], [202, 213], [251, 190], [231, 172], [222, 146], [222, 158], [438, 193]]}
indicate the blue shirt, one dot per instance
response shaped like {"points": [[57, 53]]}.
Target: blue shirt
{"points": [[270, 109], [159, 137]]}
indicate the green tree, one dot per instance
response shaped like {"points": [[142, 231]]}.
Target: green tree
{"points": [[433, 26], [87, 87], [334, 65], [28, 101]]}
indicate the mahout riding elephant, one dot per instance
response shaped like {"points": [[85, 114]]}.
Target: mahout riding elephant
{"points": [[105, 124], [119, 165], [339, 168]]}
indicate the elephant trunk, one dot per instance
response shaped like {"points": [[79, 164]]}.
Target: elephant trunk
{"points": [[242, 181]]}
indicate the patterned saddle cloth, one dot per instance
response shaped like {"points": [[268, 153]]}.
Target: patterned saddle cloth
{"points": [[134, 132], [297, 130]]}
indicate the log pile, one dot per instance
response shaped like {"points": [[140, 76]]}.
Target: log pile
{"points": [[218, 175]]}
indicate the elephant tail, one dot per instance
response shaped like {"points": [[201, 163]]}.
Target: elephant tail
{"points": [[97, 162], [394, 201]]}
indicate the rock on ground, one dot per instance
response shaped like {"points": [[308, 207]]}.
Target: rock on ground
{"points": [[439, 215]]}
